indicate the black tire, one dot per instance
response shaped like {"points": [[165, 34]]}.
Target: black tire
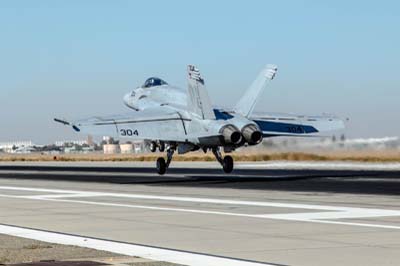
{"points": [[161, 148], [153, 146], [161, 166], [228, 164]]}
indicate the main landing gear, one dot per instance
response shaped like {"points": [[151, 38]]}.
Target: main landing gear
{"points": [[162, 166], [153, 146], [226, 162]]}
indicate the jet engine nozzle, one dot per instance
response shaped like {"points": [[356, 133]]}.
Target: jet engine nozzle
{"points": [[252, 134], [231, 134]]}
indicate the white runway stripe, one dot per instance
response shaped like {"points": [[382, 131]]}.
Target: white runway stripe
{"points": [[152, 253], [179, 199], [319, 214]]}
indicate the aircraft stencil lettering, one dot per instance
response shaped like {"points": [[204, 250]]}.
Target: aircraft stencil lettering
{"points": [[129, 132]]}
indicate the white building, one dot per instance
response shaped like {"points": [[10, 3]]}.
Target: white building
{"points": [[16, 145], [62, 143], [111, 149], [127, 148]]}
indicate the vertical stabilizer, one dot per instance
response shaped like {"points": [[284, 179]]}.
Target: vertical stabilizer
{"points": [[198, 101], [247, 103]]}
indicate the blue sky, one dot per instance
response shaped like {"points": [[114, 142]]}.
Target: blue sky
{"points": [[78, 58]]}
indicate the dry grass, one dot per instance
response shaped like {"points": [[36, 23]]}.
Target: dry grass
{"points": [[359, 156], [36, 246], [4, 260]]}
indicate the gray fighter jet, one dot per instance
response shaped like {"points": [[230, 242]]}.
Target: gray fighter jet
{"points": [[173, 119]]}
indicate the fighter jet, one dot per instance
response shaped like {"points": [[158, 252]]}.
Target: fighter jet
{"points": [[174, 119]]}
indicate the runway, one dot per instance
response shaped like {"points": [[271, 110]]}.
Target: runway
{"points": [[262, 214]]}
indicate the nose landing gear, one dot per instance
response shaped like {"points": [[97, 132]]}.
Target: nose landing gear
{"points": [[161, 166]]}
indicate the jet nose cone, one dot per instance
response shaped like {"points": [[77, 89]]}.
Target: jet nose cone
{"points": [[127, 98]]}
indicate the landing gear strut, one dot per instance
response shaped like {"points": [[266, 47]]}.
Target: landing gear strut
{"points": [[153, 146], [162, 166], [161, 147], [226, 162]]}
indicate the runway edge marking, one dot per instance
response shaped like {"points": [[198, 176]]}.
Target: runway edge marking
{"points": [[127, 249]]}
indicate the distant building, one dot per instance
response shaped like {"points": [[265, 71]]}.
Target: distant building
{"points": [[17, 146], [90, 141], [337, 143], [127, 148], [75, 149], [62, 143], [139, 146], [107, 139], [111, 149]]}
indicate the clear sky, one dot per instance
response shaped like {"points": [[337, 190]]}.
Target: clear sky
{"points": [[77, 58]]}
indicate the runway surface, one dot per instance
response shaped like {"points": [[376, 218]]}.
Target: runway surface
{"points": [[262, 214]]}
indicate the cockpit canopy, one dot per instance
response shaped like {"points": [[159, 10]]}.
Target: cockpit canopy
{"points": [[152, 82]]}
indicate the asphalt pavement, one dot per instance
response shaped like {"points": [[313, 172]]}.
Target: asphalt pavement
{"points": [[262, 214]]}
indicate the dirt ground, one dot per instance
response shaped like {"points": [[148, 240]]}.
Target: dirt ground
{"points": [[15, 250], [19, 250]]}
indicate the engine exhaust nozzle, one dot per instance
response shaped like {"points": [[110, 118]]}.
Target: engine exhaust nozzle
{"points": [[231, 134], [252, 134]]}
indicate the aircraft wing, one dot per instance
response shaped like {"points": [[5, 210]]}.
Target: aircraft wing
{"points": [[161, 123], [296, 125]]}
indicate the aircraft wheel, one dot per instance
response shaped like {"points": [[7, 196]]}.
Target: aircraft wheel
{"points": [[228, 164], [161, 148], [161, 166], [153, 146]]}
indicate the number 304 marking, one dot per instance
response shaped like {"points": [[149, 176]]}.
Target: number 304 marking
{"points": [[129, 132]]}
